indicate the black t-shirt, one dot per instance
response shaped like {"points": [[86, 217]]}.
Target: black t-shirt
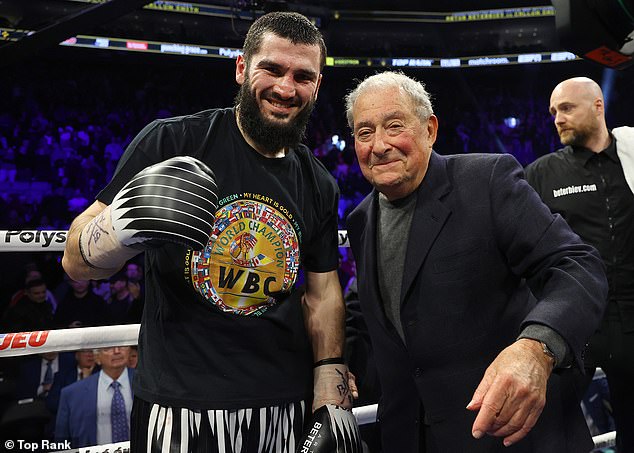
{"points": [[589, 190], [86, 309], [223, 328]]}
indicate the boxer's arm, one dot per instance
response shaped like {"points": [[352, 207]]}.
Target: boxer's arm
{"points": [[324, 315], [173, 201], [72, 261]]}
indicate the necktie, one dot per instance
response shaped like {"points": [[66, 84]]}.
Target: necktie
{"points": [[118, 417], [48, 376]]}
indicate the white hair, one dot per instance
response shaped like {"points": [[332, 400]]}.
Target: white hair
{"points": [[388, 79]]}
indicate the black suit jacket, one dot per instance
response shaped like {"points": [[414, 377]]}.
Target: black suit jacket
{"points": [[479, 242]]}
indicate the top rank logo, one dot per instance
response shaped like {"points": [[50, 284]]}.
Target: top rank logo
{"points": [[253, 253]]}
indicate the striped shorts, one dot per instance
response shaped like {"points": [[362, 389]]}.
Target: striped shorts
{"points": [[274, 429]]}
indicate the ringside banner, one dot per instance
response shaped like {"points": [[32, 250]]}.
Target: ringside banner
{"points": [[54, 240], [32, 240], [39, 341]]}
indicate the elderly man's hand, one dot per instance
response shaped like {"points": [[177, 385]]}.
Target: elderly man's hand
{"points": [[512, 393]]}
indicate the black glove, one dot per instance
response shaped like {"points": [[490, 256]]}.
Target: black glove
{"points": [[332, 429], [172, 201]]}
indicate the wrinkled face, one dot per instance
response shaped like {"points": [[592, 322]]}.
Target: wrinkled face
{"points": [[576, 114], [391, 142], [37, 293], [278, 91], [113, 359]]}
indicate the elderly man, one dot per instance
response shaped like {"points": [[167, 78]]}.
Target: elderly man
{"points": [[590, 183], [472, 290], [96, 410]]}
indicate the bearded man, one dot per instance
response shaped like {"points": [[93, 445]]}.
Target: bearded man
{"points": [[228, 205], [590, 183]]}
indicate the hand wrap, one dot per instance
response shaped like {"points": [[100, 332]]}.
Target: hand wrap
{"points": [[331, 385]]}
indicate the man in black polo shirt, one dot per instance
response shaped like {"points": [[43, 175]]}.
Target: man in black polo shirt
{"points": [[590, 183]]}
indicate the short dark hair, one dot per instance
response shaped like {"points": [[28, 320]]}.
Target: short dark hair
{"points": [[35, 283], [292, 26]]}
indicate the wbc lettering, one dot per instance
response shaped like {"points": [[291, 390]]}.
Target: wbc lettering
{"points": [[251, 283]]}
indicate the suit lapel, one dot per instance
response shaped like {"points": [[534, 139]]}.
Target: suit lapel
{"points": [[429, 218], [368, 242], [366, 227], [92, 388]]}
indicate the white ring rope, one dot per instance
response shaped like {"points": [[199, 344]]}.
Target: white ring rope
{"points": [[25, 343], [119, 447], [601, 441], [32, 240], [606, 440], [124, 447], [55, 240], [39, 341]]}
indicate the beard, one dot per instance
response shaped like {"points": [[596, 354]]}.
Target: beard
{"points": [[271, 136], [576, 137]]}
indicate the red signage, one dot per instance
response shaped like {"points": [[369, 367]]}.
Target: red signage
{"points": [[21, 339], [607, 57]]}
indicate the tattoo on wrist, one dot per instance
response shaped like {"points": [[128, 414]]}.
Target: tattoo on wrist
{"points": [[94, 231], [83, 254], [344, 388]]}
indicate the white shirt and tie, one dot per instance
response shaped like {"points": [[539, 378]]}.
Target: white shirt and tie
{"points": [[54, 366], [105, 392]]}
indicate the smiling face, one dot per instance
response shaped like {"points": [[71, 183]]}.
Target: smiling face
{"points": [[392, 144], [278, 90]]}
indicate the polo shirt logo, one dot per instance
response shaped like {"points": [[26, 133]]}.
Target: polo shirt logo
{"points": [[574, 189]]}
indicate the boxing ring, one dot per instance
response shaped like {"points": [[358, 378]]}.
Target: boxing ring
{"points": [[60, 340]]}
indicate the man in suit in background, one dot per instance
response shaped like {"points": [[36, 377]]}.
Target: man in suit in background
{"points": [[37, 373], [96, 410], [85, 365], [450, 251]]}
